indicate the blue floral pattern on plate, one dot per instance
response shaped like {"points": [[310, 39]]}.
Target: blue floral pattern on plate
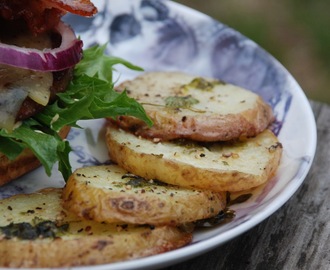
{"points": [[163, 35]]}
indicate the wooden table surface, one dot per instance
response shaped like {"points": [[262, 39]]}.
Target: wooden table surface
{"points": [[297, 236]]}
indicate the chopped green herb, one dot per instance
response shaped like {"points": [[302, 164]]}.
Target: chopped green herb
{"points": [[138, 181], [28, 231], [202, 84], [180, 102], [224, 216]]}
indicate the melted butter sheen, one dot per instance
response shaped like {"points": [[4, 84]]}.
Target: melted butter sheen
{"points": [[16, 84]]}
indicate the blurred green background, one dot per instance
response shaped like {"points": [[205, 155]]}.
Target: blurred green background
{"points": [[295, 32]]}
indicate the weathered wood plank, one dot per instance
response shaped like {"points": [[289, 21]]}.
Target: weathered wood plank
{"points": [[297, 236]]}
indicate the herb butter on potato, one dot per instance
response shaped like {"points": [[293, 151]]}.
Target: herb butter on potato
{"points": [[216, 166], [36, 231], [191, 107], [111, 194]]}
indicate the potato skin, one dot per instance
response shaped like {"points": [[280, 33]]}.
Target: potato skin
{"points": [[142, 157], [85, 242], [101, 193]]}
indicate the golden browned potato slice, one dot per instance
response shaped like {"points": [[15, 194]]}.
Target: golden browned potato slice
{"points": [[186, 106], [35, 231], [219, 166], [109, 193]]}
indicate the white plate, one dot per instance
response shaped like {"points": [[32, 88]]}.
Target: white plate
{"points": [[163, 35]]}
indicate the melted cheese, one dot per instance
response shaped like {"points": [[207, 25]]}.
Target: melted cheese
{"points": [[17, 84], [10, 103]]}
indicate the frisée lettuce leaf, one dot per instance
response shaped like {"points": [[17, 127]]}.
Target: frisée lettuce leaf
{"points": [[90, 95]]}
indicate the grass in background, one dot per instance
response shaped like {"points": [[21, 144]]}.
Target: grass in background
{"points": [[296, 32]]}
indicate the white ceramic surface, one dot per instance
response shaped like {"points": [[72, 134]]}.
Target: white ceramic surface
{"points": [[163, 35]]}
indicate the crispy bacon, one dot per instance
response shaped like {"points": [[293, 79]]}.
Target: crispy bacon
{"points": [[42, 15], [79, 7]]}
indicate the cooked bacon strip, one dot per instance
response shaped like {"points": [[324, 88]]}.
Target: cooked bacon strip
{"points": [[42, 15], [79, 7]]}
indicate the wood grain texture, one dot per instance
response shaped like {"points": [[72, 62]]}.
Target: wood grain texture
{"points": [[297, 236]]}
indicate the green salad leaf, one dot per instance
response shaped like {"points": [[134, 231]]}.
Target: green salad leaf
{"points": [[96, 63], [90, 95]]}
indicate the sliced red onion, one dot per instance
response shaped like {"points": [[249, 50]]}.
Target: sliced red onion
{"points": [[68, 54]]}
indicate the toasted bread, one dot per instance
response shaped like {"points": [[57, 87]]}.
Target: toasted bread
{"points": [[49, 236], [110, 194], [202, 109], [24, 163], [219, 166]]}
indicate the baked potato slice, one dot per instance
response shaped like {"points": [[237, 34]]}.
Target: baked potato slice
{"points": [[111, 194], [219, 166], [196, 108], [35, 231]]}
